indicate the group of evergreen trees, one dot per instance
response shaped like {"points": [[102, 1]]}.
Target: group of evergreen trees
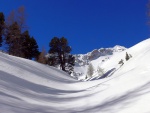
{"points": [[18, 42], [127, 57]]}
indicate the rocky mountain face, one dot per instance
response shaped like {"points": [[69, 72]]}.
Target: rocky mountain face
{"points": [[84, 59]]}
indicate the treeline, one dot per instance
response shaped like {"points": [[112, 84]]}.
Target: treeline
{"points": [[17, 41]]}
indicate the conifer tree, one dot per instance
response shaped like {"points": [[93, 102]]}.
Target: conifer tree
{"points": [[12, 39], [25, 44], [2, 22], [34, 48], [14, 26], [121, 62], [127, 57], [29, 46], [31, 49], [60, 54]]}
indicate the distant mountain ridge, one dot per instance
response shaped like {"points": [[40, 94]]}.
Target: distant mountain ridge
{"points": [[96, 53], [83, 60]]}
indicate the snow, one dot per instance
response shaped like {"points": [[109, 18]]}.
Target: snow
{"points": [[29, 87], [96, 57]]}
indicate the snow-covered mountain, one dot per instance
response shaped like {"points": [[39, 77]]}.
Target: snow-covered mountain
{"points": [[97, 57], [30, 87]]}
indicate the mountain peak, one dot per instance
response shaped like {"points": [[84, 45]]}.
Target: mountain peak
{"points": [[119, 48], [97, 55]]}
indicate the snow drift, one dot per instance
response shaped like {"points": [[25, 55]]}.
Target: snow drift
{"points": [[30, 87]]}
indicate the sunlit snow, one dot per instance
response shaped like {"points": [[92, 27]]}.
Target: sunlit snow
{"points": [[30, 87]]}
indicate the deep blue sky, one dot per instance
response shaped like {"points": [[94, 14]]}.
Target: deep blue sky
{"points": [[87, 24]]}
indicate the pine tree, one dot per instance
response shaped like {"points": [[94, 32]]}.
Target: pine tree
{"points": [[29, 46], [121, 62], [127, 57], [34, 48], [2, 22], [90, 70], [25, 44], [60, 54], [12, 39], [14, 26]]}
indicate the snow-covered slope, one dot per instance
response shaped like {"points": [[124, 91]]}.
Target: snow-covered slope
{"points": [[30, 87], [97, 57]]}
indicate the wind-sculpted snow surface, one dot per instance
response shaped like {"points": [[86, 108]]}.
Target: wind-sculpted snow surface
{"points": [[30, 87]]}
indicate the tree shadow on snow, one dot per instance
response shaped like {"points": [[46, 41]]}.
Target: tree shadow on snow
{"points": [[108, 73], [121, 102]]}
